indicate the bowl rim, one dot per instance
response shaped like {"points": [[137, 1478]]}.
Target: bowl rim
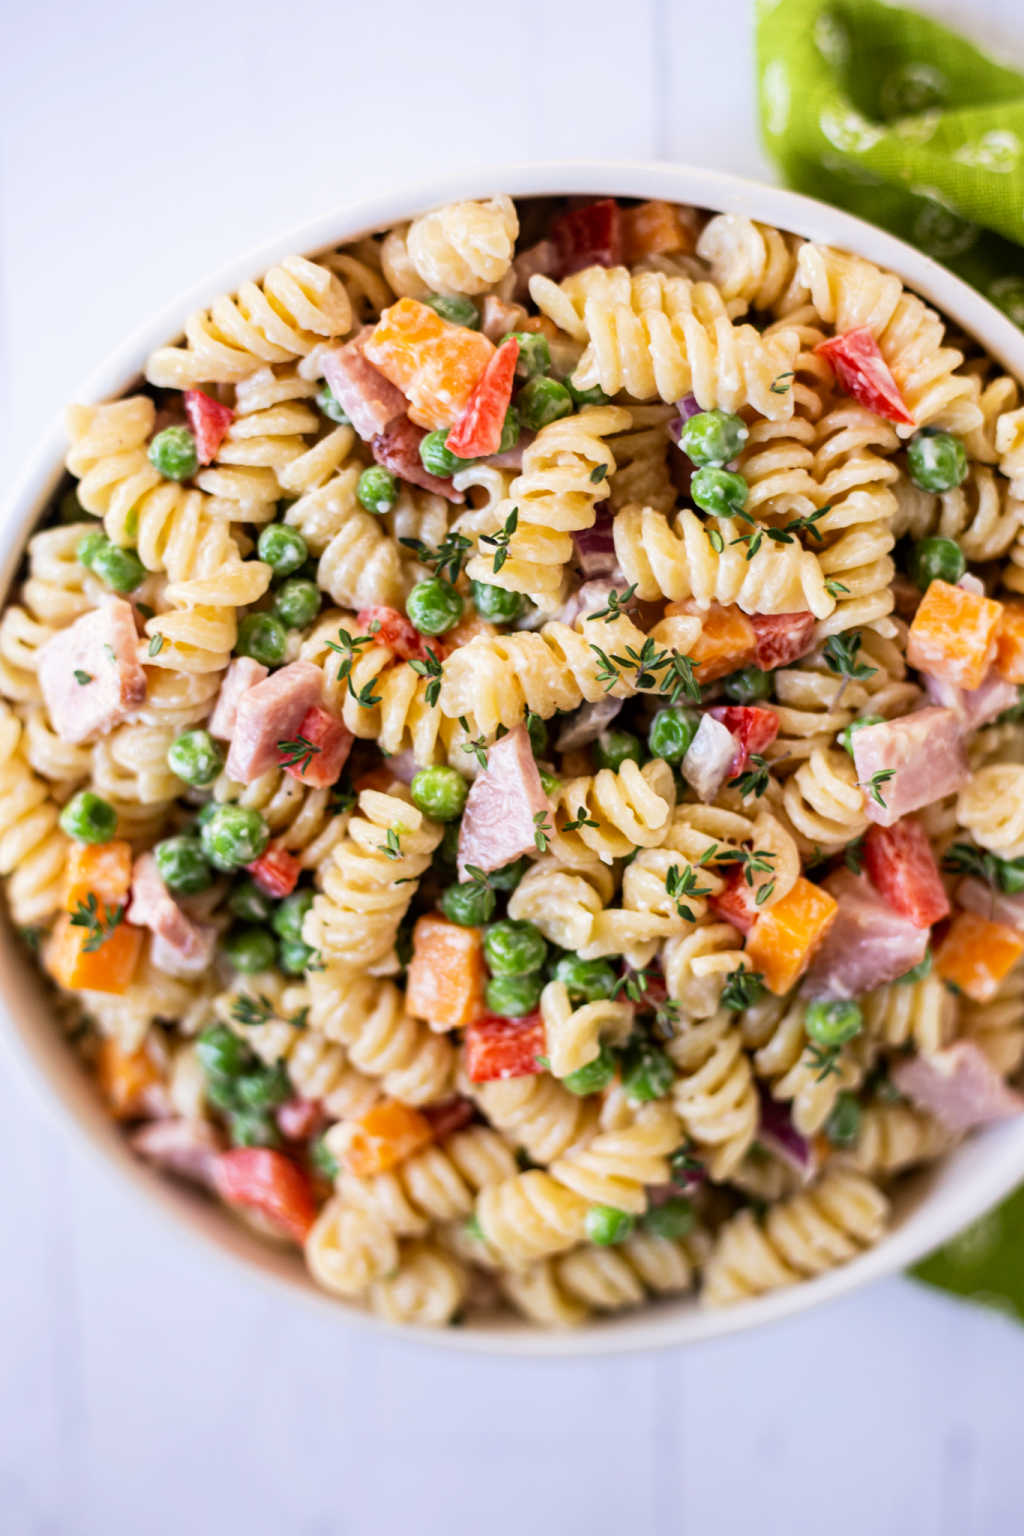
{"points": [[36, 1048]]}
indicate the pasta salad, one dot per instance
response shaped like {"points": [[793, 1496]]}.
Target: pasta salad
{"points": [[513, 755]]}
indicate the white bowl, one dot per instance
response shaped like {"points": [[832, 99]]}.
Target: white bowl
{"points": [[934, 1207]]}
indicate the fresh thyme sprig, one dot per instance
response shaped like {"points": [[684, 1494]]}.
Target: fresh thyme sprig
{"points": [[500, 541], [742, 990], [541, 831], [581, 819], [251, 1011], [100, 923], [430, 668], [297, 753], [617, 604], [873, 785], [447, 559], [755, 780], [680, 885], [840, 653]]}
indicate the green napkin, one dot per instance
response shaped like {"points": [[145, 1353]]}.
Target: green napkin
{"points": [[905, 123]]}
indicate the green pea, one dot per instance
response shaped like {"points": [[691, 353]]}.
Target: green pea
{"points": [[290, 914], [234, 835], [673, 1219], [511, 427], [713, 438], [534, 353], [495, 604], [454, 307], [437, 458], [647, 1073], [439, 793], [434, 606], [1011, 876], [173, 452], [297, 602], [748, 686], [509, 875], [936, 560], [595, 395], [249, 903], [323, 1160], [253, 1128], [220, 1052], [542, 401], [514, 948], [88, 818], [613, 748], [586, 981], [118, 568], [513, 996], [605, 1225], [594, 1077], [919, 971], [196, 758], [937, 461], [848, 732], [537, 730], [470, 905], [183, 865], [207, 812], [721, 492], [294, 957], [282, 548], [833, 1023], [89, 546], [331, 408], [262, 637], [249, 949], [843, 1124], [265, 1089], [377, 490], [671, 732]]}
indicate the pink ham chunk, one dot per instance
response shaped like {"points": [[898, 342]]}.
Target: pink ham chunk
{"points": [[270, 713], [181, 946], [371, 401], [187, 1148], [498, 317], [994, 906], [868, 944], [242, 674], [921, 756], [974, 707], [499, 823], [398, 449], [90, 673], [958, 1085]]}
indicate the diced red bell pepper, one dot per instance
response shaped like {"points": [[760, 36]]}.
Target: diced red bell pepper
{"points": [[901, 866], [589, 237], [325, 745], [276, 872], [449, 1116], [389, 627], [297, 1119], [268, 1182], [477, 432], [752, 726], [385, 1136], [782, 638], [735, 902], [497, 1047], [209, 421], [857, 362]]}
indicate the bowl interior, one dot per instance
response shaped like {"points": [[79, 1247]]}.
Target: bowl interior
{"points": [[928, 1208]]}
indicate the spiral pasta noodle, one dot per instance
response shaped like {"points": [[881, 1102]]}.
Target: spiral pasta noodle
{"points": [[991, 808], [753, 263], [614, 813], [537, 1114], [1009, 444], [920, 1013], [57, 590], [464, 247], [714, 1093], [33, 849], [997, 1026], [823, 802], [368, 1017], [574, 1035], [560, 1292], [773, 1031], [894, 1137]]}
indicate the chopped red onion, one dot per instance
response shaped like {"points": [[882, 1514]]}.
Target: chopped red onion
{"points": [[686, 407], [707, 764], [777, 1132], [595, 548], [587, 723], [972, 584], [974, 706], [403, 766]]}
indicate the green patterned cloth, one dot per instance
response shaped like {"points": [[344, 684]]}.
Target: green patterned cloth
{"points": [[905, 123]]}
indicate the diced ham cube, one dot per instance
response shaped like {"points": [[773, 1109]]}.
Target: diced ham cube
{"points": [[319, 763], [498, 317], [589, 236], [974, 707], [753, 728], [297, 1119], [868, 944], [397, 447], [540, 260], [187, 1148], [449, 1116], [782, 638], [209, 421], [90, 673], [181, 946], [499, 1048], [995, 906], [500, 819], [269, 713], [371, 401], [243, 673], [901, 866], [958, 1085], [922, 756], [276, 872]]}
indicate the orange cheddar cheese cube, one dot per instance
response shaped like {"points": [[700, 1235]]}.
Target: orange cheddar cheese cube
{"points": [[977, 954], [434, 363], [107, 968], [447, 974], [782, 941], [1010, 643], [726, 642], [953, 635], [384, 1137], [125, 1078], [103, 870]]}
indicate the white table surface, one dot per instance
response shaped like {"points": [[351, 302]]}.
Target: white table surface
{"points": [[144, 1388]]}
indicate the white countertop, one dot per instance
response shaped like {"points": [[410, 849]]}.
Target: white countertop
{"points": [[143, 1389]]}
